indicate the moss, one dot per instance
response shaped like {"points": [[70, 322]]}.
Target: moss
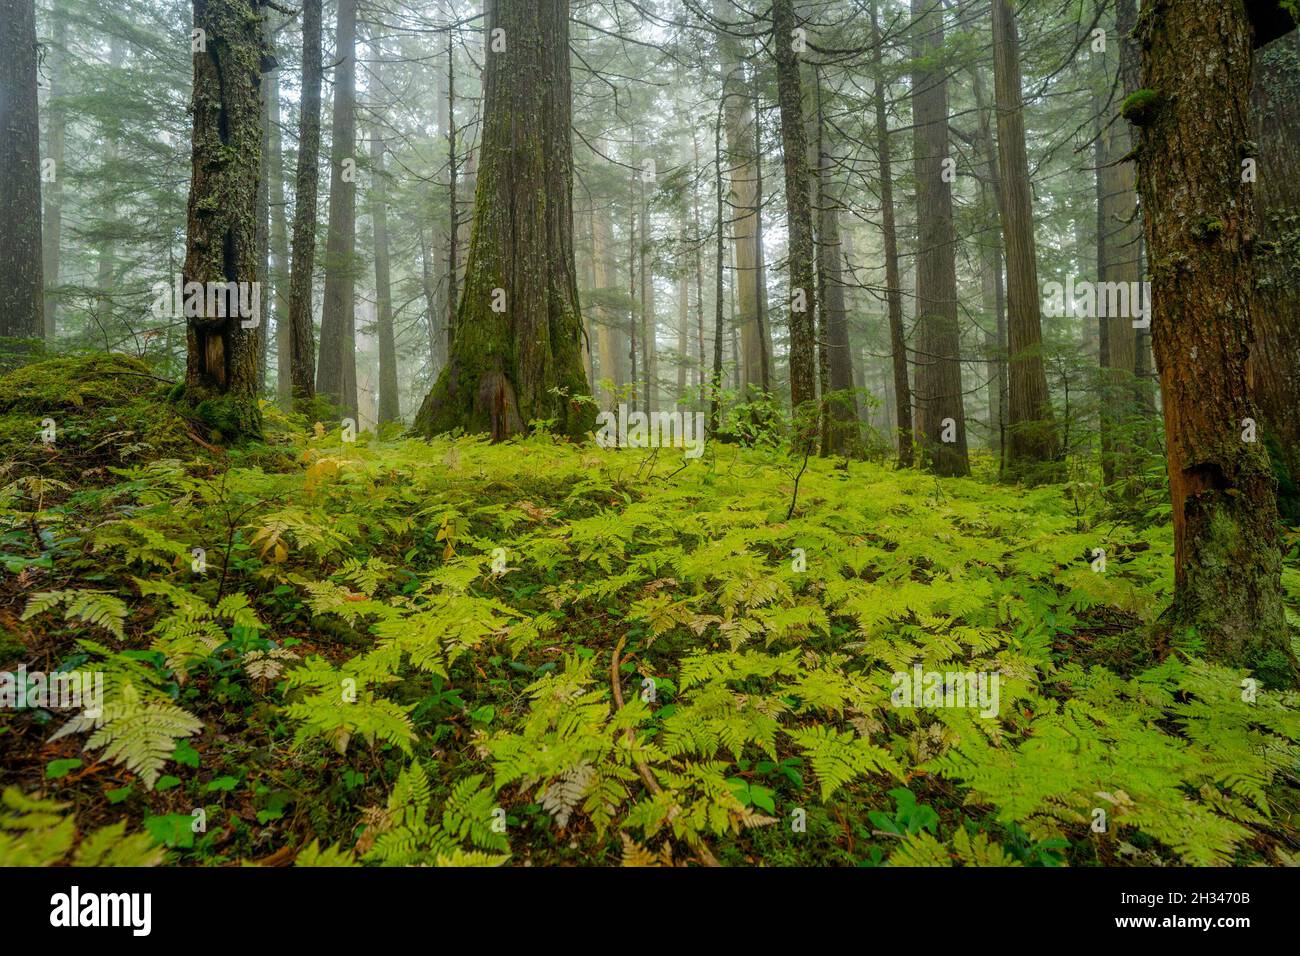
{"points": [[1139, 107], [1208, 228], [16, 352], [1235, 563], [108, 410], [229, 420]]}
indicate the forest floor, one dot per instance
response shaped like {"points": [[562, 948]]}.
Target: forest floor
{"points": [[398, 651]]}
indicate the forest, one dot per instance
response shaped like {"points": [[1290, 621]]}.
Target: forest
{"points": [[649, 433]]}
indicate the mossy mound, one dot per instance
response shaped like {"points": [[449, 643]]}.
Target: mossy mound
{"points": [[99, 410]]}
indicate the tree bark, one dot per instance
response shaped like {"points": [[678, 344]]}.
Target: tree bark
{"points": [[720, 231], [842, 403], [1276, 116], [302, 362], [336, 372], [389, 406], [278, 278], [453, 205], [743, 178], [1032, 439], [221, 234], [649, 322], [105, 252], [1119, 260], [794, 141], [517, 352], [1200, 225], [940, 411], [21, 289], [610, 361], [902, 390], [56, 125], [263, 209], [993, 289]]}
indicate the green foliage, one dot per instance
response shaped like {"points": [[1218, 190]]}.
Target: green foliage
{"points": [[36, 832], [106, 411], [1140, 106], [362, 651]]}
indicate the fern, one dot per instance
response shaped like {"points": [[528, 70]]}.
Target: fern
{"points": [[92, 607], [838, 758], [141, 735], [36, 832]]}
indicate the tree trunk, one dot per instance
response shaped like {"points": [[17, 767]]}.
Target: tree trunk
{"points": [[902, 391], [21, 289], [517, 352], [649, 322], [302, 361], [1276, 114], [55, 138], [1032, 438], [1200, 223], [1119, 261], [941, 419], [699, 272], [221, 234], [336, 372], [991, 285], [683, 313], [263, 209], [389, 407], [842, 403], [611, 366], [453, 205], [433, 307], [742, 178], [720, 231], [105, 252], [279, 274], [794, 141]]}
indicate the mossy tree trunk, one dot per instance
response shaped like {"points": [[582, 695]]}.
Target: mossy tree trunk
{"points": [[1276, 113], [302, 335], [1200, 224], [940, 413], [21, 312], [794, 143], [336, 373], [221, 237], [1031, 438], [516, 355]]}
